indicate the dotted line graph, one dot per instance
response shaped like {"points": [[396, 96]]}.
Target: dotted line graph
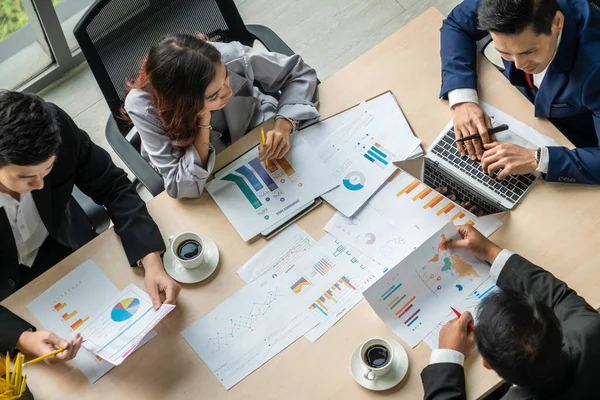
{"points": [[243, 322]]}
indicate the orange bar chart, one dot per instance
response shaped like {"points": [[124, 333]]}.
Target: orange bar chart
{"points": [[272, 167], [399, 313], [285, 165], [470, 222], [458, 215], [446, 209], [78, 323], [67, 316], [422, 194], [409, 188], [433, 202], [59, 306]]}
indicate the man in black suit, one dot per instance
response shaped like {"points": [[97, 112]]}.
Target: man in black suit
{"points": [[43, 154], [535, 332]]}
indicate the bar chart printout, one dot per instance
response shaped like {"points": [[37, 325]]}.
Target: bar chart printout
{"points": [[65, 309], [255, 197], [415, 295]]}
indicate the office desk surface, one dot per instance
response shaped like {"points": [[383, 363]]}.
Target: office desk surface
{"points": [[556, 227]]}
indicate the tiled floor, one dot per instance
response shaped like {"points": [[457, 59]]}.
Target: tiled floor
{"points": [[328, 34]]}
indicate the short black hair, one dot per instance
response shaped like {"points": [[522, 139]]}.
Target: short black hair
{"points": [[512, 17], [521, 339], [29, 134]]}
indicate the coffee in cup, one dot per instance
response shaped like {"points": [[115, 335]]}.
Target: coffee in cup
{"points": [[376, 355], [188, 250]]}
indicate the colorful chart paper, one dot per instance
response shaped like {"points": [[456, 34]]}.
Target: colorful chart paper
{"points": [[125, 309], [255, 197], [415, 295]]}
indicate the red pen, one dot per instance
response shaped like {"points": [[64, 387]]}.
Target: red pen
{"points": [[470, 326]]}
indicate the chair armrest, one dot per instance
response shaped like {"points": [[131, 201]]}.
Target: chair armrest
{"points": [[96, 214], [134, 160], [269, 39]]}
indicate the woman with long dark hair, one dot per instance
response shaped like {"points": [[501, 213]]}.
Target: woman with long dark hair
{"points": [[192, 98]]}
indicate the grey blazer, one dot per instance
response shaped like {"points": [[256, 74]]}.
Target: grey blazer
{"points": [[183, 174]]}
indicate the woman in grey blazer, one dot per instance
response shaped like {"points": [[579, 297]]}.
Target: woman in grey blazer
{"points": [[193, 98]]}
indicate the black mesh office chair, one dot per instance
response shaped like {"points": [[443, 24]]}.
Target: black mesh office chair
{"points": [[115, 36]]}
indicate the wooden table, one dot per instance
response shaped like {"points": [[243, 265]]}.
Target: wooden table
{"points": [[556, 227]]}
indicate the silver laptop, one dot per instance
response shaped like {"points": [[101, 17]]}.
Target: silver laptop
{"points": [[445, 167]]}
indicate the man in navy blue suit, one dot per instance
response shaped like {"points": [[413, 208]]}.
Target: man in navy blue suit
{"points": [[551, 53]]}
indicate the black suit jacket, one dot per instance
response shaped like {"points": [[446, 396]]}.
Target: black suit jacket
{"points": [[581, 330], [78, 162]]}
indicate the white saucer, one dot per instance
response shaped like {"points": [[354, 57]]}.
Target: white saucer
{"points": [[389, 380], [184, 275]]}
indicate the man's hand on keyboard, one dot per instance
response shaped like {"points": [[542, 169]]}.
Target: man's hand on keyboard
{"points": [[510, 158], [464, 204], [470, 119]]}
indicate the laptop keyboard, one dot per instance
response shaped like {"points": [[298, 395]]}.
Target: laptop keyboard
{"points": [[433, 177], [511, 188]]}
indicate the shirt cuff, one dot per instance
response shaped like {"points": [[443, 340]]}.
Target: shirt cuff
{"points": [[499, 263], [458, 96], [447, 356], [544, 160]]}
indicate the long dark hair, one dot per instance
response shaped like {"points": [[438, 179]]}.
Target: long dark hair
{"points": [[176, 72]]}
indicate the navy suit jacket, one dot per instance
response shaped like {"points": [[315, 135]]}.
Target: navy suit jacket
{"points": [[569, 95]]}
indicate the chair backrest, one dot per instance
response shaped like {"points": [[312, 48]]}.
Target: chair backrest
{"points": [[116, 35]]}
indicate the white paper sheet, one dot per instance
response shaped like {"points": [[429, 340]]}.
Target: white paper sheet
{"points": [[399, 218], [121, 324], [279, 255], [66, 307], [516, 128], [469, 304], [413, 297], [359, 146], [254, 198], [248, 329], [329, 280]]}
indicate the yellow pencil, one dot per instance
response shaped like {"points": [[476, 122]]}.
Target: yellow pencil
{"points": [[42, 358], [262, 140], [7, 373]]}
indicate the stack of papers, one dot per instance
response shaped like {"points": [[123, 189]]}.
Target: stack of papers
{"points": [[121, 324], [401, 217], [359, 147], [67, 307]]}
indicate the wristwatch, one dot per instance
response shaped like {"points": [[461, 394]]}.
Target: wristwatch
{"points": [[538, 155]]}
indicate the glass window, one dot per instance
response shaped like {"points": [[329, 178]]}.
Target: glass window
{"points": [[69, 12], [24, 51]]}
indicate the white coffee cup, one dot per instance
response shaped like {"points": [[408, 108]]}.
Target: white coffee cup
{"points": [[371, 372], [189, 263]]}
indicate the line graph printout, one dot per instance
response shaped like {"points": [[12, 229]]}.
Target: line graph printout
{"points": [[415, 295], [255, 197], [121, 324], [66, 307], [248, 329], [279, 255], [469, 304]]}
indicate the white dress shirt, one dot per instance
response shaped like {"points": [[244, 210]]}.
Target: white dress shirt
{"points": [[456, 357], [27, 227], [458, 96]]}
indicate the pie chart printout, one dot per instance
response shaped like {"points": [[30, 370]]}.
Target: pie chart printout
{"points": [[125, 309]]}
